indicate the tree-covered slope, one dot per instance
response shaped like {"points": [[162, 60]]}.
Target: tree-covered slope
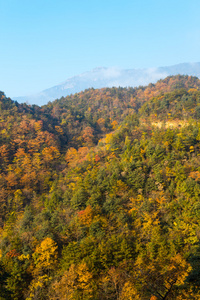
{"points": [[100, 195]]}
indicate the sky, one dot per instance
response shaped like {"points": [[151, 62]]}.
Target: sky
{"points": [[45, 42]]}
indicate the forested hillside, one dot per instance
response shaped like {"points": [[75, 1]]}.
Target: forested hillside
{"points": [[99, 195]]}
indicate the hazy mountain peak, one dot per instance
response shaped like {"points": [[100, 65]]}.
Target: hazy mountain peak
{"points": [[109, 77]]}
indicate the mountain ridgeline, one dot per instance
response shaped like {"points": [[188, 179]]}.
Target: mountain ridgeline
{"points": [[99, 194], [110, 77]]}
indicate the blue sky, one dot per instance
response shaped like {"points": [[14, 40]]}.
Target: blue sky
{"points": [[44, 42]]}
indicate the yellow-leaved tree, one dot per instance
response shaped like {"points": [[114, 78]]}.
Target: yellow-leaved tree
{"points": [[76, 283], [45, 259]]}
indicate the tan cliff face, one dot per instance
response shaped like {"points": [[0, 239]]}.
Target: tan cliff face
{"points": [[170, 124]]}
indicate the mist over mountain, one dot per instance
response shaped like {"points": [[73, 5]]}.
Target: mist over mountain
{"points": [[109, 77]]}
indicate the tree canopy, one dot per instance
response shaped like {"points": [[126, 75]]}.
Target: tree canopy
{"points": [[99, 194]]}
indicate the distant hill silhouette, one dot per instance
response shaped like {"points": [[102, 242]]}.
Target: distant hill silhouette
{"points": [[109, 77]]}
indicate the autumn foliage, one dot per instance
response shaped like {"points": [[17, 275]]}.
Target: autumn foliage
{"points": [[99, 195]]}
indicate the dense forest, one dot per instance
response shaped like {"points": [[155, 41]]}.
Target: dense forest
{"points": [[100, 195]]}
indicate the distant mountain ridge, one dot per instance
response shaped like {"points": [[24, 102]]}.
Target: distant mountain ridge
{"points": [[109, 77]]}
